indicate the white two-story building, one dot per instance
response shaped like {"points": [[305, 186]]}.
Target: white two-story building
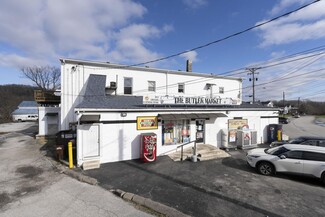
{"points": [[112, 105]]}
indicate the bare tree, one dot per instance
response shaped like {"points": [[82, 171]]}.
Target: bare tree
{"points": [[45, 77]]}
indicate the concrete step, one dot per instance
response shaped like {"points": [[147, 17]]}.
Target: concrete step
{"points": [[207, 152], [91, 164]]}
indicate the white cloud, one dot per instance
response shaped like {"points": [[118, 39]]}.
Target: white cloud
{"points": [[307, 24], [44, 30], [131, 43], [194, 4], [283, 4], [292, 32], [191, 55], [17, 61], [277, 54]]}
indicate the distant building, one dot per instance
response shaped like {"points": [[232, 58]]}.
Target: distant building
{"points": [[268, 104], [27, 111], [48, 112]]}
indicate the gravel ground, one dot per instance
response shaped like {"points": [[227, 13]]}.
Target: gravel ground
{"points": [[15, 127]]}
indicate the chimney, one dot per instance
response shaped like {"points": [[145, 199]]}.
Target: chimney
{"points": [[189, 65]]}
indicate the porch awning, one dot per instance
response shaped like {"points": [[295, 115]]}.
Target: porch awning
{"points": [[172, 116], [90, 118], [52, 114]]}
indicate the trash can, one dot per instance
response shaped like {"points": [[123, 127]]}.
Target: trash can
{"points": [[62, 139]]}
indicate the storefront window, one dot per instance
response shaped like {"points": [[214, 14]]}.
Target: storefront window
{"points": [[176, 132]]}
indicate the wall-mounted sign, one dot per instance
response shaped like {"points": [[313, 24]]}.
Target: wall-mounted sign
{"points": [[232, 135], [183, 100], [236, 124], [147, 122]]}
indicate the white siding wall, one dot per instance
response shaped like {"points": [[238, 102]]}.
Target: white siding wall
{"points": [[256, 123], [73, 85], [72, 91], [121, 141], [45, 123]]}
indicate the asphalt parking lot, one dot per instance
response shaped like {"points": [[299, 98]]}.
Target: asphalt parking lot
{"points": [[223, 187]]}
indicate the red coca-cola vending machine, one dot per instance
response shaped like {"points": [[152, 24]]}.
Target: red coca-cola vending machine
{"points": [[148, 148]]}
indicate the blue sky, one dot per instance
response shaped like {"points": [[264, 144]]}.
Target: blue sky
{"points": [[131, 32]]}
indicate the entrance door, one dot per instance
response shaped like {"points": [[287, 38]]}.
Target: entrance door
{"points": [[90, 141], [200, 131]]}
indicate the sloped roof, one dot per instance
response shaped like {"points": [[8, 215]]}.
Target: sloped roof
{"points": [[112, 102], [148, 69], [95, 96], [25, 112], [28, 104]]}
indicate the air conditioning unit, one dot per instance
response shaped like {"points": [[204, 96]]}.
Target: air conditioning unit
{"points": [[113, 85]]}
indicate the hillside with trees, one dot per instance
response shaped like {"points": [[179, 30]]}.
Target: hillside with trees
{"points": [[11, 96]]}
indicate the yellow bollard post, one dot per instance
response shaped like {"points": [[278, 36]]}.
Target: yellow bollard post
{"points": [[70, 155], [279, 135]]}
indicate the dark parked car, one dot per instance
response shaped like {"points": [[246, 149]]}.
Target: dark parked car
{"points": [[283, 120], [303, 140]]}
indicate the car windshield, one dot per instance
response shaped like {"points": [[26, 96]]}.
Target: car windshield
{"points": [[296, 141], [276, 151]]}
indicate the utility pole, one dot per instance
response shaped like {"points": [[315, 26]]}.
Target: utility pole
{"points": [[253, 73], [283, 99]]}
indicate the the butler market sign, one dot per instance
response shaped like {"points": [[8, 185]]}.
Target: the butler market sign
{"points": [[183, 100]]}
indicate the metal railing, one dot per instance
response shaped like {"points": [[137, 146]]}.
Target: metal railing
{"points": [[182, 147], [46, 96]]}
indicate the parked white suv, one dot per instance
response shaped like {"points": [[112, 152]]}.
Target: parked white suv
{"points": [[289, 158]]}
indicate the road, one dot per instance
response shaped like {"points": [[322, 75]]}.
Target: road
{"points": [[30, 185], [303, 126]]}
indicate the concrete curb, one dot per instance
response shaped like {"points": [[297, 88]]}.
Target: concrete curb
{"points": [[65, 170], [70, 172], [79, 176], [142, 201], [158, 207]]}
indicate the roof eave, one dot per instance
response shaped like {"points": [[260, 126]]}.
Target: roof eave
{"points": [[137, 68]]}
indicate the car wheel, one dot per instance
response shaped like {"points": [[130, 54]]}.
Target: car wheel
{"points": [[265, 168], [323, 178]]}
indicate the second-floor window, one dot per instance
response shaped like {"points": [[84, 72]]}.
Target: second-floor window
{"points": [[128, 83], [152, 86], [221, 90], [181, 88]]}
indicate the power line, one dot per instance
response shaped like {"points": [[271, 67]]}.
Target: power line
{"points": [[229, 36], [295, 76], [296, 69], [310, 94], [319, 48], [306, 73], [238, 71]]}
